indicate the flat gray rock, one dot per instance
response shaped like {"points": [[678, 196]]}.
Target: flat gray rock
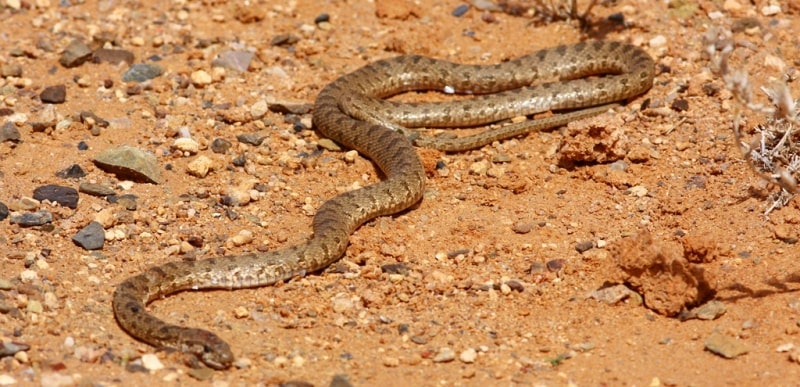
{"points": [[90, 237], [130, 163]]}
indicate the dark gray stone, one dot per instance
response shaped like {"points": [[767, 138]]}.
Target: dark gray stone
{"points": [[75, 54], [65, 196], [141, 72], [90, 237], [54, 94], [30, 219]]}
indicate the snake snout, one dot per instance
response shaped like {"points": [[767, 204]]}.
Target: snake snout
{"points": [[208, 348]]}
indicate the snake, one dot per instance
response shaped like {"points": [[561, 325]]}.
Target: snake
{"points": [[577, 81]]}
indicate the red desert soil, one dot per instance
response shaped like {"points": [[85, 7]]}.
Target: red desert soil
{"points": [[492, 279]]}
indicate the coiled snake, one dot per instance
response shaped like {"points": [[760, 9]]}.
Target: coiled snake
{"points": [[351, 111]]}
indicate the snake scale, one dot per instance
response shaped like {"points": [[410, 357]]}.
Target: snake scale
{"points": [[352, 111]]}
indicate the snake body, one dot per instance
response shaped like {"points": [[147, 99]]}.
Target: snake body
{"points": [[351, 110]]}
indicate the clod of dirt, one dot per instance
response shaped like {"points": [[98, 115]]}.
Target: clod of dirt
{"points": [[661, 273]]}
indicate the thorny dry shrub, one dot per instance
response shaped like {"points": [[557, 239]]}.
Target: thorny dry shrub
{"points": [[774, 151]]}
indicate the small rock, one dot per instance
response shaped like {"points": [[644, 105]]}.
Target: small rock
{"points": [[468, 356], [200, 78], [65, 196], [725, 346], [251, 138], [3, 211], [9, 132], [220, 145], [74, 171], [31, 219], [709, 311], [96, 189], [460, 10], [522, 227], [91, 237], [391, 361], [11, 70], [141, 72], [582, 247], [350, 156], [479, 168], [112, 56], [259, 109], [186, 145], [200, 166], [611, 295], [151, 363], [129, 162], [54, 94], [76, 53], [234, 60], [785, 234], [9, 348], [444, 355], [342, 304]]}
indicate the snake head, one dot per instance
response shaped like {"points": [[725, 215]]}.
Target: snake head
{"points": [[207, 347]]}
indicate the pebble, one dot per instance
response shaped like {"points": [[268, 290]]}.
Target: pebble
{"points": [[658, 41], [200, 78], [259, 109], [200, 166], [342, 303], [220, 145], [785, 234], [242, 238], [9, 348], [234, 60], [350, 156], [131, 163], [55, 379], [9, 132], [391, 361], [91, 237], [3, 211], [53, 94], [151, 363], [468, 356], [611, 295], [75, 54], [584, 246], [444, 355], [96, 189], [522, 227], [479, 168], [460, 10], [113, 56], [709, 311], [65, 196], [31, 219], [725, 346], [11, 70], [251, 138], [74, 171], [186, 145], [141, 72]]}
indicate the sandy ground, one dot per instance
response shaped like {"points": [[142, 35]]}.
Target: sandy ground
{"points": [[482, 283]]}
